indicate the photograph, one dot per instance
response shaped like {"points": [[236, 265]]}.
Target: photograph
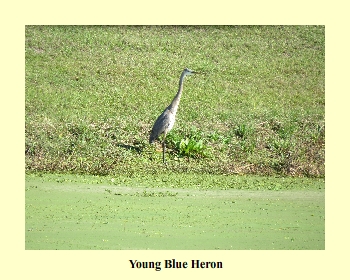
{"points": [[174, 137]]}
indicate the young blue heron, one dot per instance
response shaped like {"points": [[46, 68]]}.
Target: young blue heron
{"points": [[166, 120]]}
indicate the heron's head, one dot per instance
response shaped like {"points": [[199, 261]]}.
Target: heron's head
{"points": [[189, 72]]}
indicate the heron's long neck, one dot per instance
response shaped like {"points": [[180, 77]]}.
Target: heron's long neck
{"points": [[175, 103]]}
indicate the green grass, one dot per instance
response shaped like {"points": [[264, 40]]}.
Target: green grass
{"points": [[93, 94], [225, 213]]}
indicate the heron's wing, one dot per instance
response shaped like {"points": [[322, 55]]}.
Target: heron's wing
{"points": [[162, 123]]}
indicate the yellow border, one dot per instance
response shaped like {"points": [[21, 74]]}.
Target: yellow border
{"points": [[21, 264]]}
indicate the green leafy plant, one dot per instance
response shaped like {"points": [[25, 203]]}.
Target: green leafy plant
{"points": [[280, 146], [242, 131], [192, 145], [248, 146], [192, 148], [317, 133], [217, 137]]}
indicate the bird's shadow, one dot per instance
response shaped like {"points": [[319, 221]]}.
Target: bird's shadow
{"points": [[134, 148]]}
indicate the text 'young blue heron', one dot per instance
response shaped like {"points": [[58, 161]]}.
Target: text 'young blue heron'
{"points": [[166, 120]]}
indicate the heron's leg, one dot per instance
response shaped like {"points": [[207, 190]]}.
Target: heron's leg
{"points": [[164, 148]]}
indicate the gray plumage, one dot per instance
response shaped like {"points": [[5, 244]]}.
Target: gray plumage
{"points": [[166, 120]]}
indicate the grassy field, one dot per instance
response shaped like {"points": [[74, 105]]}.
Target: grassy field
{"points": [[104, 212], [93, 94]]}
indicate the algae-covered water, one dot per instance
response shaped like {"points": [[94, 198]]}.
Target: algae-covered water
{"points": [[62, 214]]}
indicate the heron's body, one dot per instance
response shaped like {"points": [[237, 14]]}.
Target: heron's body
{"points": [[166, 120]]}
